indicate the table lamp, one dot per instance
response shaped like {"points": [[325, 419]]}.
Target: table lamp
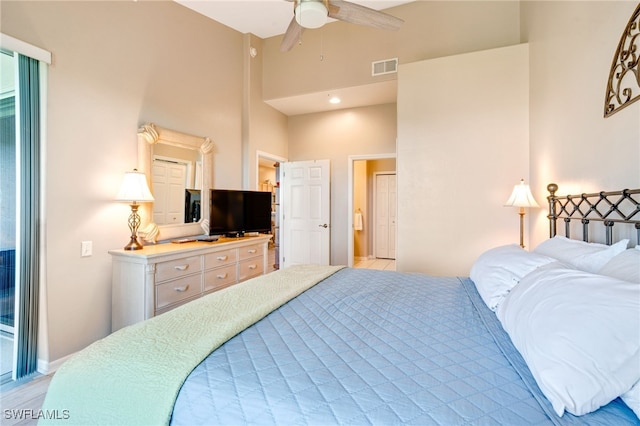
{"points": [[521, 197], [134, 189]]}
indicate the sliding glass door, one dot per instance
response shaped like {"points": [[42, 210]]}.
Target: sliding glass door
{"points": [[7, 212], [20, 210]]}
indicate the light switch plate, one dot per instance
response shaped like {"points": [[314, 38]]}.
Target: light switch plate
{"points": [[86, 248]]}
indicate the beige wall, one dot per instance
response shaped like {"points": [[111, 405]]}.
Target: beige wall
{"points": [[572, 47], [264, 128], [462, 143], [340, 54], [335, 136]]}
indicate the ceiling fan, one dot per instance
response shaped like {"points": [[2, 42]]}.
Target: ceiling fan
{"points": [[313, 14]]}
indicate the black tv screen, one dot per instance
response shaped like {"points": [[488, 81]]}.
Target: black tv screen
{"points": [[225, 211], [257, 211], [234, 212]]}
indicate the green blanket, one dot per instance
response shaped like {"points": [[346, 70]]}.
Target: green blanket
{"points": [[133, 376]]}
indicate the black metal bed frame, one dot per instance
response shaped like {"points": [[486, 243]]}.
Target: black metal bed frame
{"points": [[606, 207]]}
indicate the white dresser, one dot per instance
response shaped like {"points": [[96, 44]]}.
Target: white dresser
{"points": [[161, 277]]}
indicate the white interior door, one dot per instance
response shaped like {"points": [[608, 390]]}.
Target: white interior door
{"points": [[305, 224], [385, 212], [169, 184]]}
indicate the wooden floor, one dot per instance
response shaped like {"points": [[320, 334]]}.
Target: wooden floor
{"points": [[21, 402]]}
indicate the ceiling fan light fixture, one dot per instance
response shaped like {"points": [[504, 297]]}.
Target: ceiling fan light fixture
{"points": [[311, 14]]}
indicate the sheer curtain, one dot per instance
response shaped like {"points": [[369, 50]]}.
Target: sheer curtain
{"points": [[28, 250]]}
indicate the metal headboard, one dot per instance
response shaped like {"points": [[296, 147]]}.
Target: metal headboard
{"points": [[606, 207]]}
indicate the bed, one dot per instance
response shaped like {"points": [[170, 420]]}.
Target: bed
{"points": [[518, 342]]}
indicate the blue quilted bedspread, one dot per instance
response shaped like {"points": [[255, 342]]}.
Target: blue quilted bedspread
{"points": [[374, 347]]}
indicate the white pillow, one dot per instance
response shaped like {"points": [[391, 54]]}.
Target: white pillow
{"points": [[579, 334], [497, 270], [589, 257], [632, 398], [624, 266]]}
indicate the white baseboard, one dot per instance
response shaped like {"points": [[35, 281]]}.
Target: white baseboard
{"points": [[46, 367]]}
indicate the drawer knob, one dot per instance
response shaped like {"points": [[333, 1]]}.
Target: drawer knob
{"points": [[251, 251], [223, 276], [225, 257], [181, 289], [181, 267], [254, 266]]}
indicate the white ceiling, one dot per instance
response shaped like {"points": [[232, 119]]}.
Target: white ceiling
{"points": [[268, 18], [264, 18]]}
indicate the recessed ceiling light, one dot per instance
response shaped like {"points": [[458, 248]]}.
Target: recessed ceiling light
{"points": [[334, 100]]}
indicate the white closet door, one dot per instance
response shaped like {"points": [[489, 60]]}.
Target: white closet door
{"points": [[385, 212], [169, 191]]}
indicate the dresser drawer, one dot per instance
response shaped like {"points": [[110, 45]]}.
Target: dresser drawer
{"points": [[177, 290], [220, 258], [220, 277], [250, 251], [178, 268], [250, 268]]}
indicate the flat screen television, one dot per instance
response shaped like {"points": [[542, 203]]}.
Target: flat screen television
{"points": [[191, 205], [235, 212]]}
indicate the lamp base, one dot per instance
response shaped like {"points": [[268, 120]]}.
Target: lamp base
{"points": [[134, 223], [133, 244], [521, 213]]}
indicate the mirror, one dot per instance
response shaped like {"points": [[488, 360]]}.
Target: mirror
{"points": [[178, 167], [174, 171]]}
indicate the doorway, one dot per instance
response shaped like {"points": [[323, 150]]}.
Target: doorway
{"points": [[268, 179], [361, 238]]}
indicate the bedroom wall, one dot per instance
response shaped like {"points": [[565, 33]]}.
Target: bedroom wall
{"points": [[115, 66], [572, 47], [264, 128], [462, 145]]}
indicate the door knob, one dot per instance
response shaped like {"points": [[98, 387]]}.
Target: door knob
{"points": [[324, 225]]}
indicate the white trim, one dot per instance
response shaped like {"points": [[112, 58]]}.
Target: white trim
{"points": [[24, 48], [43, 314], [351, 159], [46, 367]]}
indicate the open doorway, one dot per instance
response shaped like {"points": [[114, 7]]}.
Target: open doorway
{"points": [[362, 221], [268, 179]]}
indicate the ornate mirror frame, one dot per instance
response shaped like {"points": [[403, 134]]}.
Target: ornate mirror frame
{"points": [[148, 135]]}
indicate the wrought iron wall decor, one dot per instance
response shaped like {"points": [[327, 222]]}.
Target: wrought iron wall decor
{"points": [[623, 86]]}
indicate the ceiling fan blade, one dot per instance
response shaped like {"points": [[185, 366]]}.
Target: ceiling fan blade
{"points": [[291, 36], [362, 15]]}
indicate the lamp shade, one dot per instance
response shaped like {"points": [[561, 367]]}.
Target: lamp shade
{"points": [[134, 188], [311, 13], [521, 196]]}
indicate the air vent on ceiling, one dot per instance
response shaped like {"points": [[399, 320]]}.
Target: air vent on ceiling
{"points": [[387, 66]]}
